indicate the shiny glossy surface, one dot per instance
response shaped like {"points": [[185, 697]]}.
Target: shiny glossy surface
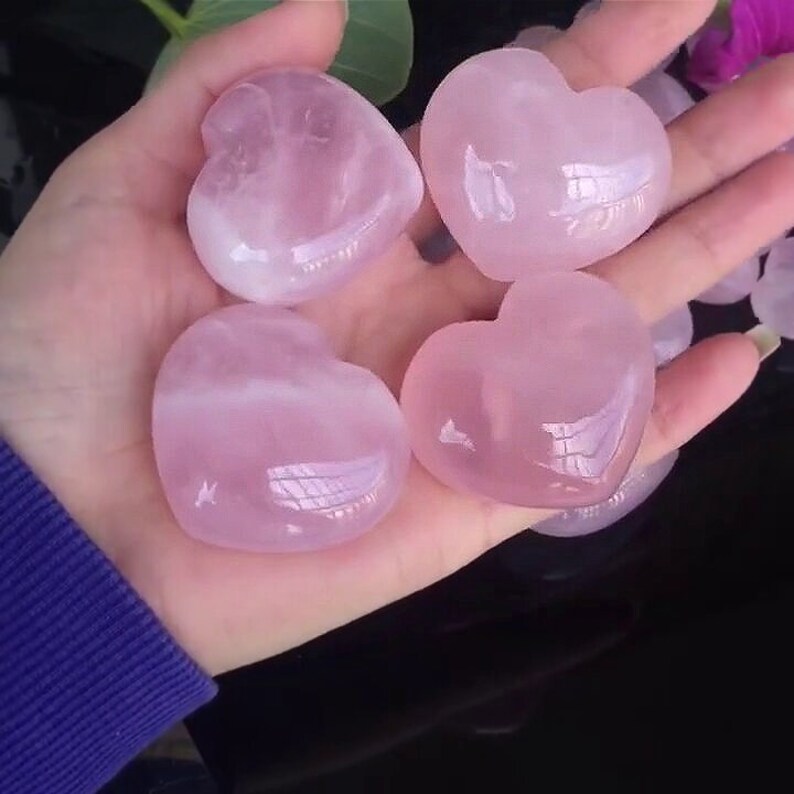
{"points": [[672, 335], [772, 297], [305, 184], [713, 575], [665, 95], [633, 491], [265, 442], [530, 176], [544, 407], [735, 286]]}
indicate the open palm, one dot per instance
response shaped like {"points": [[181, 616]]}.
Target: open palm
{"points": [[101, 278]]}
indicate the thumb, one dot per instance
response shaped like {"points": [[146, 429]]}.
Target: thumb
{"points": [[165, 124]]}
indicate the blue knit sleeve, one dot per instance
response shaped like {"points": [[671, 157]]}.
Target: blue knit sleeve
{"points": [[88, 675]]}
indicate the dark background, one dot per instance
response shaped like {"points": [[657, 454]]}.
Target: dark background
{"points": [[652, 656]]}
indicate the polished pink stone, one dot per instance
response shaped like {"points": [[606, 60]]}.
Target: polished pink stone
{"points": [[666, 96], [544, 407], [265, 442], [633, 491], [772, 297], [535, 37], [529, 176], [736, 286], [672, 335], [305, 184]]}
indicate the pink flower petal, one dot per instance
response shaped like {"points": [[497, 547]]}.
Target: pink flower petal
{"points": [[759, 29]]}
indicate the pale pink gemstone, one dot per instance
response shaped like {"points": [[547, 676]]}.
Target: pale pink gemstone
{"points": [[736, 286], [633, 491], [535, 37], [772, 297], [666, 96], [529, 176], [265, 442], [544, 407], [672, 335], [305, 184]]}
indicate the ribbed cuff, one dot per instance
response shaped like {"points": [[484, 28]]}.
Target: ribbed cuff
{"points": [[88, 675]]}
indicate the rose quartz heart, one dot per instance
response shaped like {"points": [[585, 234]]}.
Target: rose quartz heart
{"points": [[544, 407], [305, 183], [265, 442], [531, 176]]}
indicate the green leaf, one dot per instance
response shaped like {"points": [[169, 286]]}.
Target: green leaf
{"points": [[376, 53], [174, 23]]}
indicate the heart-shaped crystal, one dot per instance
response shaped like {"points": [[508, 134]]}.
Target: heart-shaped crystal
{"points": [[531, 176], [265, 442], [546, 406], [305, 183]]}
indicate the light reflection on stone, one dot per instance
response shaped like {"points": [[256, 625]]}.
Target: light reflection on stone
{"points": [[529, 176]]}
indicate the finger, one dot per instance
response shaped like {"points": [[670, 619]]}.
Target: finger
{"points": [[707, 239], [731, 129], [165, 125], [624, 40], [676, 261], [426, 222], [476, 296], [694, 390]]}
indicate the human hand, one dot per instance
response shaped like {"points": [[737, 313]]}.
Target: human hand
{"points": [[101, 278]]}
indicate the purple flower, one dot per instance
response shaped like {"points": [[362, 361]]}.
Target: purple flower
{"points": [[759, 29]]}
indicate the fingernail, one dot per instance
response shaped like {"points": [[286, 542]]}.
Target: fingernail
{"points": [[765, 340]]}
